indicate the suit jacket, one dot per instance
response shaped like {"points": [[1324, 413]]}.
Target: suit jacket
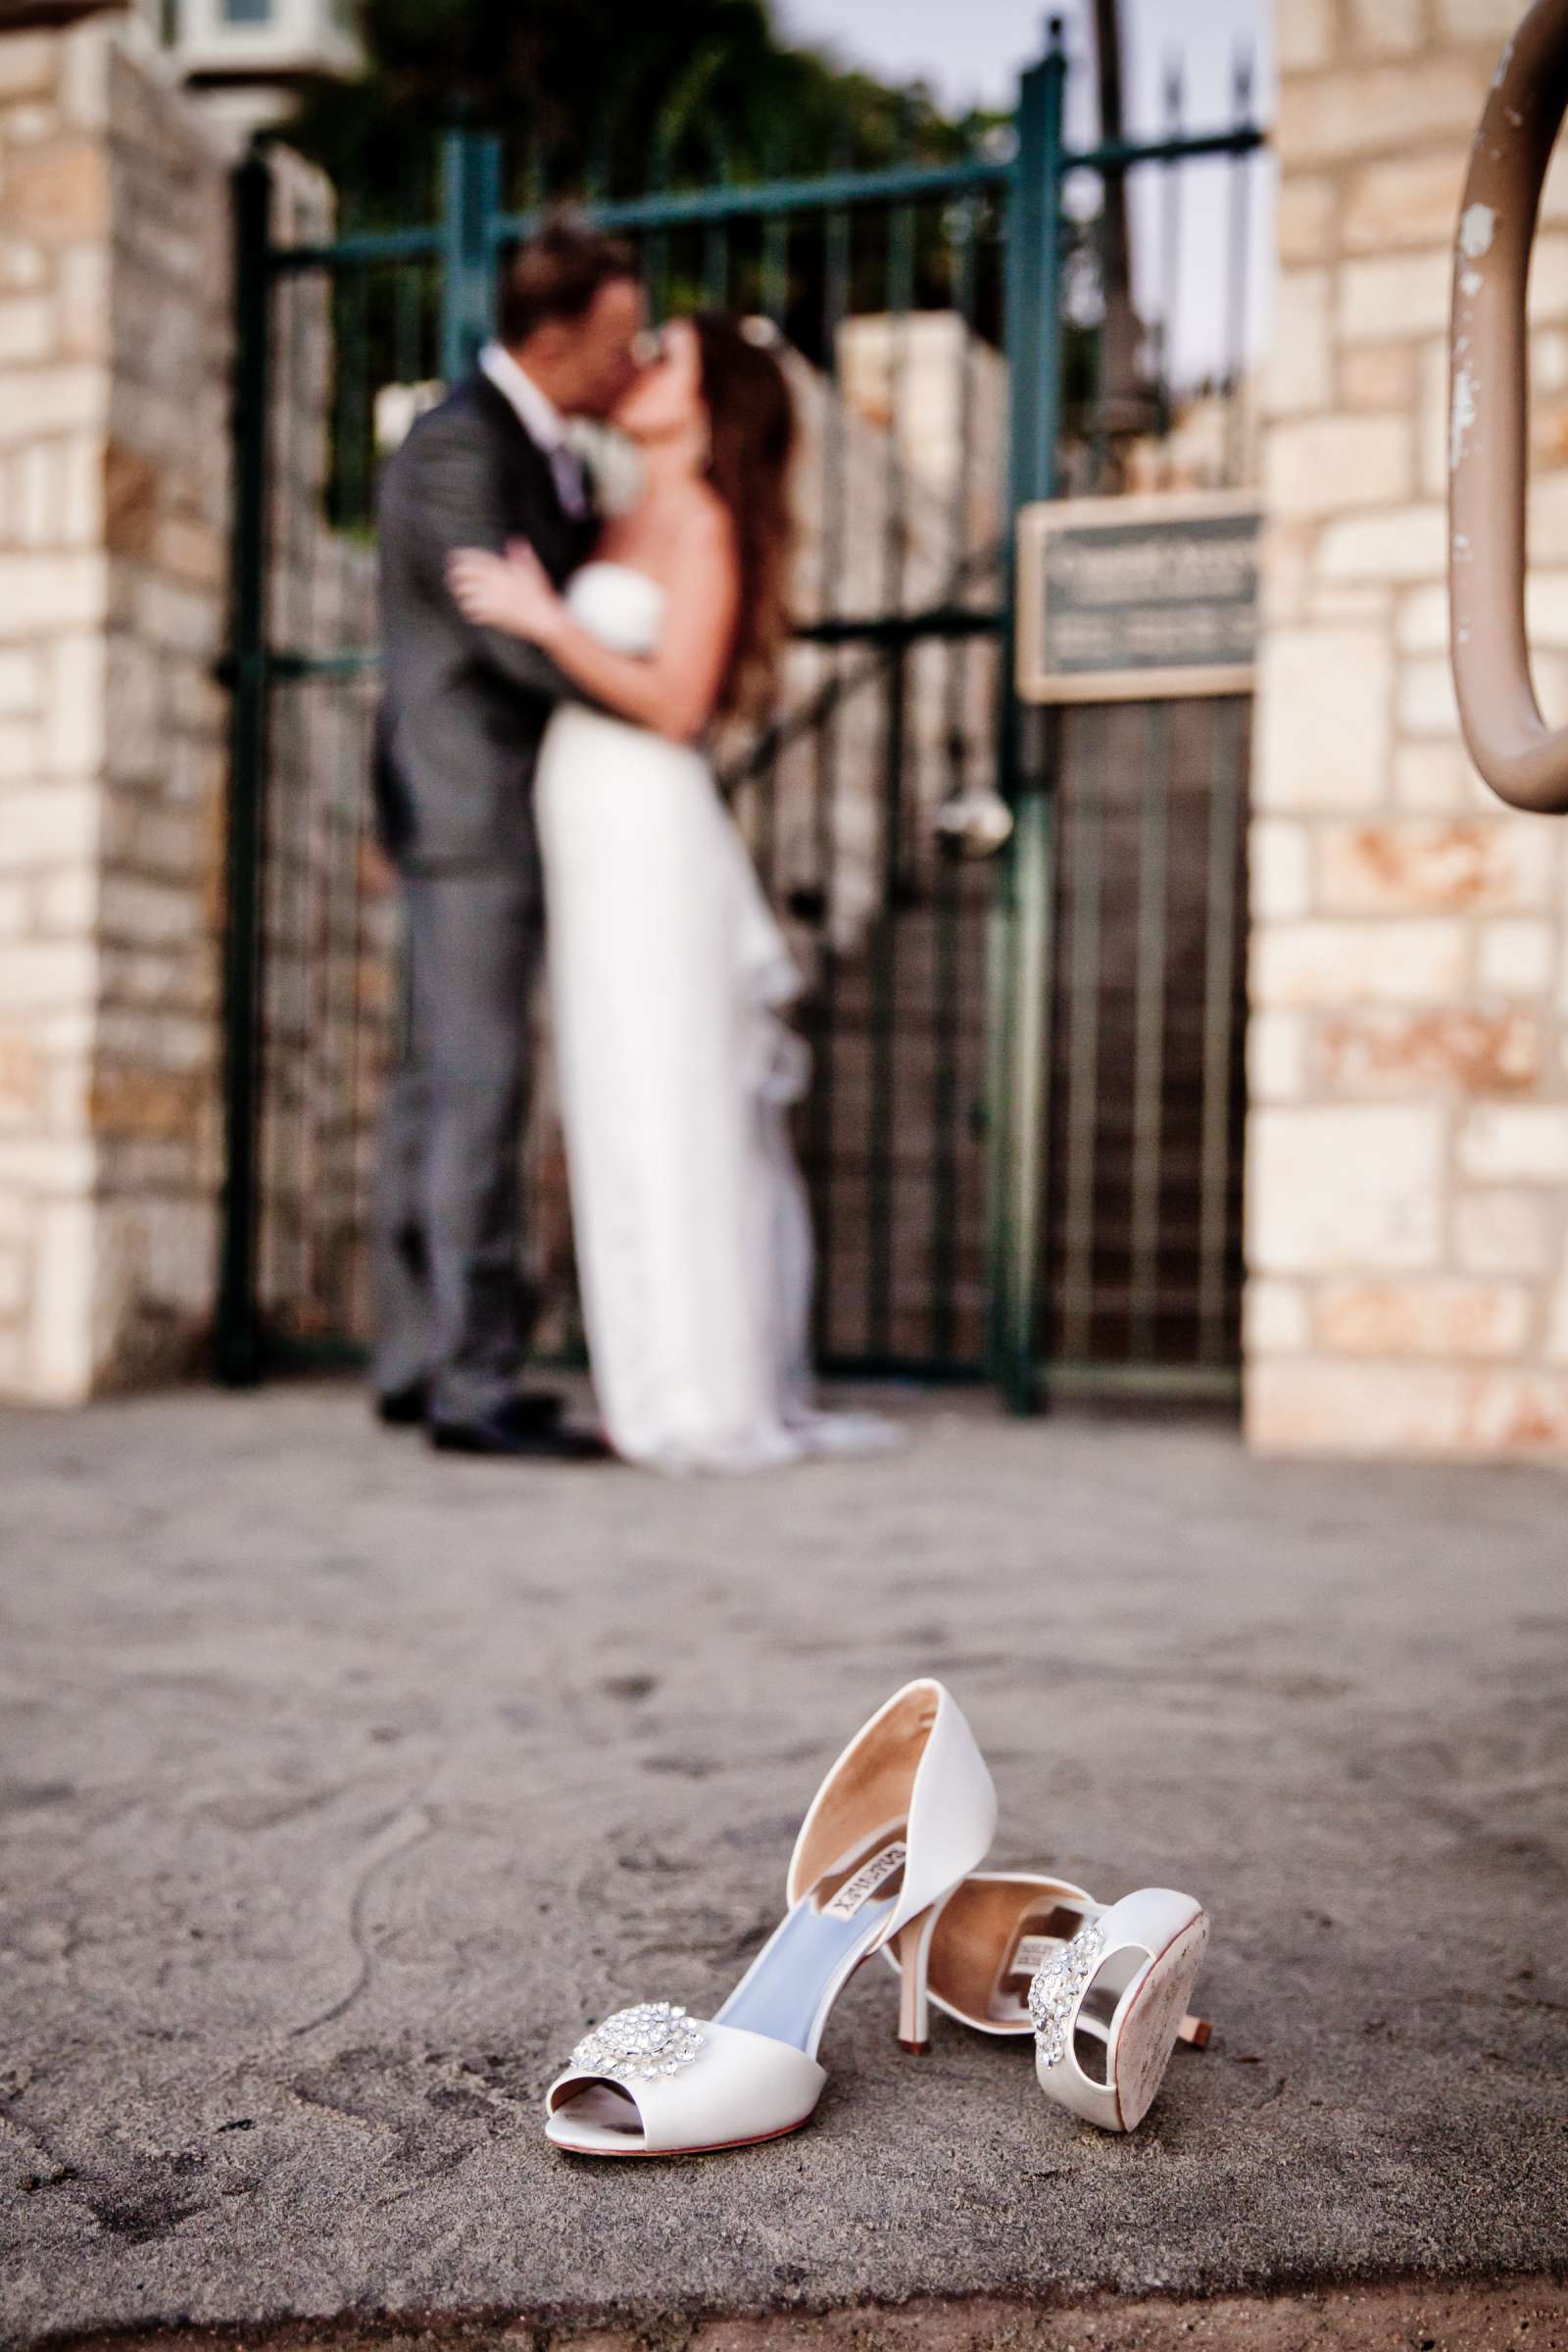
{"points": [[464, 709]]}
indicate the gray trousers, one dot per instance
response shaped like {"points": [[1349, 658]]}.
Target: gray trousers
{"points": [[451, 1303]]}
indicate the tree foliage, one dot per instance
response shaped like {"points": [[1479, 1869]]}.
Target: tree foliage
{"points": [[605, 95]]}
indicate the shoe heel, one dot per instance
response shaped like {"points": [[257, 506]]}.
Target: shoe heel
{"points": [[1155, 2021], [913, 1944]]}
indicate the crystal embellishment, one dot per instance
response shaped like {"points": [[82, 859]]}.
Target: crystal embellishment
{"points": [[640, 2044], [1057, 1988]]}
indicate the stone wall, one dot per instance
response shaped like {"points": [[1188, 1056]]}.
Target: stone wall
{"points": [[1409, 1153], [114, 334]]}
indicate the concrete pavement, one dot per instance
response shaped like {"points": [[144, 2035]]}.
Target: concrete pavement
{"points": [[340, 1786]]}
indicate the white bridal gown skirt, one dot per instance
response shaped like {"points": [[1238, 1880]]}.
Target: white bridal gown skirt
{"points": [[667, 976]]}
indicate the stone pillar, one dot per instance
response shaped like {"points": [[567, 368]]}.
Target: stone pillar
{"points": [[1409, 1153], [113, 372]]}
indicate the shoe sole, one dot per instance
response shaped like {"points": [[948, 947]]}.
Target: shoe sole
{"points": [[1150, 2029], [710, 2147]]}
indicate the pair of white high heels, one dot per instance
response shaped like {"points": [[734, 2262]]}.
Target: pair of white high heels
{"points": [[887, 1861]]}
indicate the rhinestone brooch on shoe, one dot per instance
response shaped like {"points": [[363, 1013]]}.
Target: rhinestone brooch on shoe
{"points": [[1057, 1988], [637, 2045]]}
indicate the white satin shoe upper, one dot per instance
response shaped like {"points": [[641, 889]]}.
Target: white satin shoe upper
{"points": [[907, 1810]]}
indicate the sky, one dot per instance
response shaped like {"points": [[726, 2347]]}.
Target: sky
{"points": [[972, 50]]}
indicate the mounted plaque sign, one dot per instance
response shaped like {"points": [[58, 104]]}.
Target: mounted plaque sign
{"points": [[1137, 599]]}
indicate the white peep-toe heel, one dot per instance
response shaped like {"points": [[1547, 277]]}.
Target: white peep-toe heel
{"points": [[906, 1813], [1104, 1989]]}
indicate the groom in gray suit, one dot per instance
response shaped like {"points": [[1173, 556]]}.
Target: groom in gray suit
{"points": [[456, 741]]}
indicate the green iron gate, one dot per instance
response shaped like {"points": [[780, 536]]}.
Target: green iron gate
{"points": [[1014, 1174]]}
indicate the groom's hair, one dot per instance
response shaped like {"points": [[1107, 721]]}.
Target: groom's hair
{"points": [[556, 277]]}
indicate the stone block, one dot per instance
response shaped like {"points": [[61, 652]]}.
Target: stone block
{"points": [[1379, 1050], [162, 1103], [1421, 625], [1289, 560], [1305, 220], [58, 192], [1338, 1187], [1276, 1056], [35, 973], [1323, 465], [1448, 1318], [1386, 28], [28, 66], [27, 330], [1365, 109], [55, 591], [1514, 1412], [1378, 375], [74, 732], [1516, 959], [147, 913], [1556, 1349], [1300, 373], [1504, 1231], [1305, 36], [1311, 1406], [21, 681], [22, 1077], [1432, 775], [133, 500], [35, 1163], [1405, 543], [87, 54], [81, 303], [81, 491], [20, 751], [1489, 20], [1275, 1319], [1324, 717], [1426, 699], [1515, 1143], [1546, 608], [16, 1283], [1431, 422], [66, 1303], [1337, 604], [48, 824], [178, 1250], [1547, 516], [1394, 295], [1418, 864], [1279, 860], [66, 902], [193, 553], [1547, 299], [1337, 964], [35, 504], [1407, 200], [1549, 362]]}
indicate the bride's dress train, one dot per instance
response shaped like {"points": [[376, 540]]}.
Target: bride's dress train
{"points": [[669, 976]]}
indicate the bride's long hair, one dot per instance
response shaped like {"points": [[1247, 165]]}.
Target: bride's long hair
{"points": [[752, 422]]}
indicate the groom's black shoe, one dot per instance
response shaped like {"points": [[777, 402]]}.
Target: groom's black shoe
{"points": [[499, 1432], [403, 1409], [409, 1407]]}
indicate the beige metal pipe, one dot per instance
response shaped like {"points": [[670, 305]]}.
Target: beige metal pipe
{"points": [[1520, 757]]}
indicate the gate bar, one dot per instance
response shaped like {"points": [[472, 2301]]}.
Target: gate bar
{"points": [[1022, 961], [237, 1337]]}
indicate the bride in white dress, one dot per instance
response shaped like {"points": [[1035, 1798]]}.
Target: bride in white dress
{"points": [[669, 973]]}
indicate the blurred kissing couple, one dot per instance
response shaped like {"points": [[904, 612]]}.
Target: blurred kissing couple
{"points": [[551, 676]]}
